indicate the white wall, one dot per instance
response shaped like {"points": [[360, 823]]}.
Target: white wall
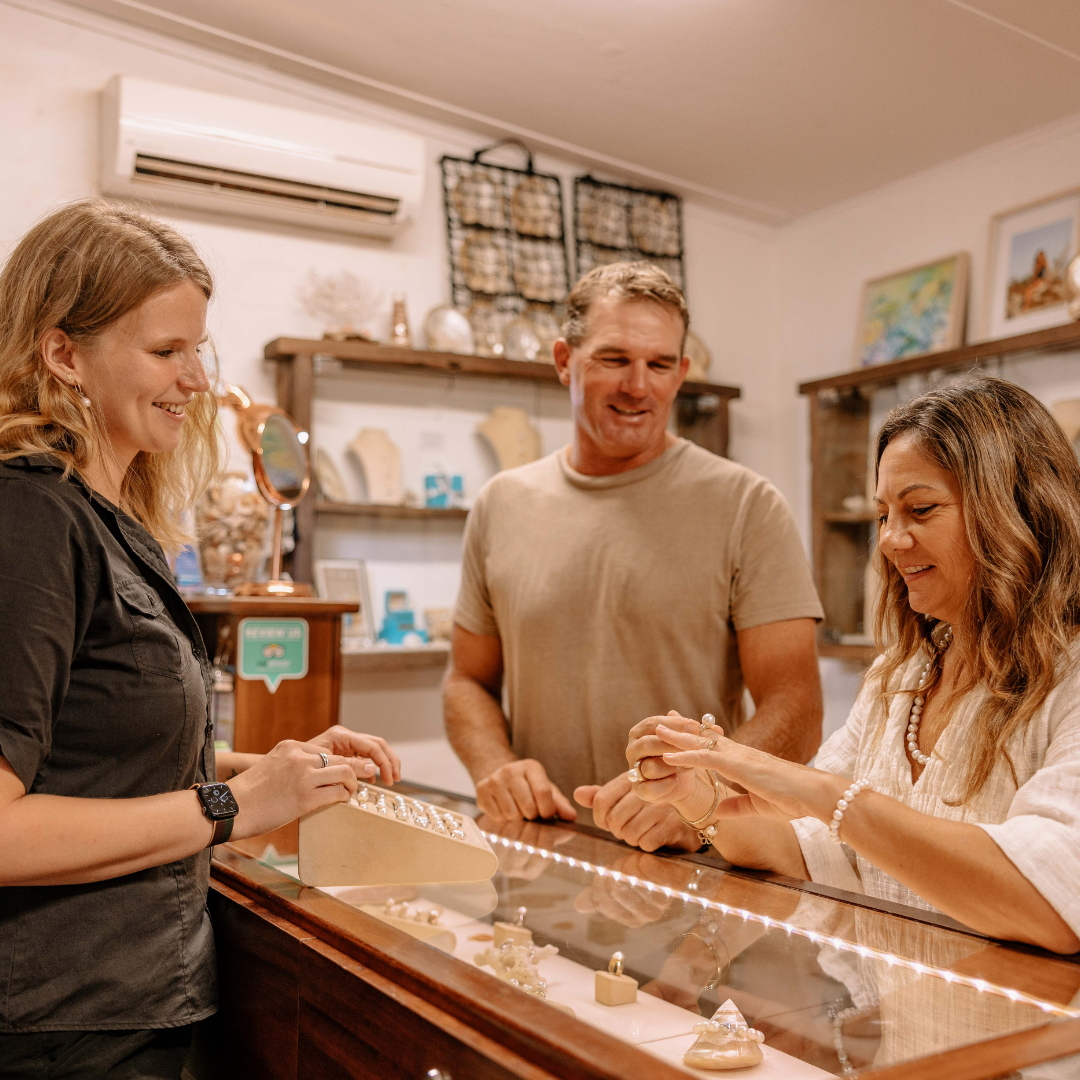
{"points": [[776, 306], [53, 62]]}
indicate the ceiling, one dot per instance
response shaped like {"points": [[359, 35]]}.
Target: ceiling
{"points": [[769, 108]]}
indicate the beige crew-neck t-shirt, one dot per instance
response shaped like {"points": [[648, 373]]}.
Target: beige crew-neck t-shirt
{"points": [[618, 597]]}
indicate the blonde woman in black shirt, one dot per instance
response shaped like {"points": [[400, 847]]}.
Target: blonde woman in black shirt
{"points": [[107, 430]]}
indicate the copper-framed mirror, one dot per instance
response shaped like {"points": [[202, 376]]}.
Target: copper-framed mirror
{"points": [[282, 467]]}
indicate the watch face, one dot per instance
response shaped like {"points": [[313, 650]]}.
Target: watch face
{"points": [[218, 801]]}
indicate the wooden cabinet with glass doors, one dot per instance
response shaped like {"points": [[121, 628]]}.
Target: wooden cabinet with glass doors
{"points": [[318, 983]]}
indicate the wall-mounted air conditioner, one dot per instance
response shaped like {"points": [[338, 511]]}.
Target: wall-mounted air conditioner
{"points": [[180, 147]]}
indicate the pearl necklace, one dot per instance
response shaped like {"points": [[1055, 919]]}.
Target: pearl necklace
{"points": [[944, 640]]}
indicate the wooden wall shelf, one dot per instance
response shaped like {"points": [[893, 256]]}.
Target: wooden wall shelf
{"points": [[839, 454], [380, 658], [366, 355], [1056, 339], [701, 411], [382, 510]]}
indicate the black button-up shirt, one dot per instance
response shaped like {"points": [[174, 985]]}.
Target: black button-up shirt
{"points": [[104, 694]]}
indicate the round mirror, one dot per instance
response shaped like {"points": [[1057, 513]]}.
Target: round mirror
{"points": [[281, 461]]}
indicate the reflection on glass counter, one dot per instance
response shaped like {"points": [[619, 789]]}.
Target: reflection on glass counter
{"points": [[836, 987]]}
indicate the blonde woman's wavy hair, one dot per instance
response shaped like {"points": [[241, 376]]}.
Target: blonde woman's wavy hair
{"points": [[80, 269], [1019, 483]]}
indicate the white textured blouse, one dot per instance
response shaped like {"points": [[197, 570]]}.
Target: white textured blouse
{"points": [[1036, 821]]}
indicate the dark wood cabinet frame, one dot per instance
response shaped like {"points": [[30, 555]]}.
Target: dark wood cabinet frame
{"points": [[313, 989]]}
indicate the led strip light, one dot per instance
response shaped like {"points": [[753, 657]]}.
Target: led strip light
{"points": [[843, 945]]}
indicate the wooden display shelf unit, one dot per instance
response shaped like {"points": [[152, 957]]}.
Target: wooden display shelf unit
{"points": [[393, 658], [384, 510], [840, 459], [701, 409]]}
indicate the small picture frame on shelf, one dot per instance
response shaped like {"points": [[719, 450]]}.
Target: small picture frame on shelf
{"points": [[911, 312], [346, 579], [1030, 248]]}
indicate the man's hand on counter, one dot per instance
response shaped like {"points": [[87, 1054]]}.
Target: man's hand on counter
{"points": [[521, 789], [649, 826]]}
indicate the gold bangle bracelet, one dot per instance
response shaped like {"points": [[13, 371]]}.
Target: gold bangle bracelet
{"points": [[704, 819]]}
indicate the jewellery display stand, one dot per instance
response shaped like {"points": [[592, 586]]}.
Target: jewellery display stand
{"points": [[612, 987], [381, 461], [516, 932], [381, 839], [511, 436]]}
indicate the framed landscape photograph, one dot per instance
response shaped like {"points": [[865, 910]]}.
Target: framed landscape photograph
{"points": [[919, 310], [1030, 248]]}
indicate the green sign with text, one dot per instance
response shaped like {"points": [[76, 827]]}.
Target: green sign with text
{"points": [[272, 650]]}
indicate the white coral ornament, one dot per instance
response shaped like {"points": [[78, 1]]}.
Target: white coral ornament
{"points": [[516, 964], [345, 304]]}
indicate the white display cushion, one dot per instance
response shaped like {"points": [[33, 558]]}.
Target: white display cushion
{"points": [[354, 844]]}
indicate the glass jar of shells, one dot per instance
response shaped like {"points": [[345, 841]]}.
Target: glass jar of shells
{"points": [[232, 524]]}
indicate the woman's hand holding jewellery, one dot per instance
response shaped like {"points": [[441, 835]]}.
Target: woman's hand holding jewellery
{"points": [[706, 831]]}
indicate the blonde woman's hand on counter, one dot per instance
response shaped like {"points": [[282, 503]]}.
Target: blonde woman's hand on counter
{"points": [[63, 840], [361, 749], [291, 780]]}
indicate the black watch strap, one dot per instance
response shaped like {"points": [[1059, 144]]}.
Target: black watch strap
{"points": [[220, 807], [222, 831]]}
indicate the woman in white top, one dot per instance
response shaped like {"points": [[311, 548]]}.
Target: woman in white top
{"points": [[955, 783]]}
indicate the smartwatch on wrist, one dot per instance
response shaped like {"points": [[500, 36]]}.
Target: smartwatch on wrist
{"points": [[219, 805]]}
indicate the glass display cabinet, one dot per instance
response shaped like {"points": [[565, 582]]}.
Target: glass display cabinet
{"points": [[384, 981]]}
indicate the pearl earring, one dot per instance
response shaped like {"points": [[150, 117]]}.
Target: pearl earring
{"points": [[78, 390]]}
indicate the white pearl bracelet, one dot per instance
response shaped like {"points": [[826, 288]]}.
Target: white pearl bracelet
{"points": [[842, 805]]}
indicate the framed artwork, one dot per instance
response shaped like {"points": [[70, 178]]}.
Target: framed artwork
{"points": [[346, 579], [915, 311], [1030, 248]]}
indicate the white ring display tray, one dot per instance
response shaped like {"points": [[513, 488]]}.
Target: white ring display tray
{"points": [[379, 838]]}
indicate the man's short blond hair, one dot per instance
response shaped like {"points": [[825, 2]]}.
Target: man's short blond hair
{"points": [[624, 281]]}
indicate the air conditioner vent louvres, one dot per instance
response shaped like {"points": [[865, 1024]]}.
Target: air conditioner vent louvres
{"points": [[178, 147], [233, 182]]}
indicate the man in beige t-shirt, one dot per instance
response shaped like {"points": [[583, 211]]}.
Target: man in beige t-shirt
{"points": [[625, 575]]}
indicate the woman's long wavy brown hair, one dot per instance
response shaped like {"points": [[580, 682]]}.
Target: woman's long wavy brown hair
{"points": [[80, 269], [1019, 481]]}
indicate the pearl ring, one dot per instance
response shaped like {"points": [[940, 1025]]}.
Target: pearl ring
{"points": [[634, 775]]}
